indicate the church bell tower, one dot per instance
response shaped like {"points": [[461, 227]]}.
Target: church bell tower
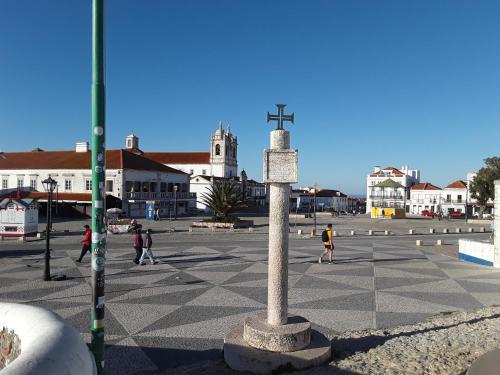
{"points": [[223, 153]]}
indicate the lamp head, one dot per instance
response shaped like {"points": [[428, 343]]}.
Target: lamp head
{"points": [[49, 184]]}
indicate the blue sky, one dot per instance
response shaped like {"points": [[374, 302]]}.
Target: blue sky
{"points": [[370, 82]]}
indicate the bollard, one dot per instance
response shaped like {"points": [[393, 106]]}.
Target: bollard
{"points": [[420, 243], [471, 230], [299, 232], [353, 232], [439, 242], [411, 231], [482, 230], [190, 229], [250, 229], [458, 230], [445, 230], [370, 232], [334, 233], [432, 230], [312, 233], [387, 233]]}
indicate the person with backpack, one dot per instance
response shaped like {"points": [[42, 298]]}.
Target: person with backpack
{"points": [[327, 238], [146, 250], [87, 240], [138, 244]]}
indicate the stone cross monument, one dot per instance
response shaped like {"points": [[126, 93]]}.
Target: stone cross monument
{"points": [[275, 340]]}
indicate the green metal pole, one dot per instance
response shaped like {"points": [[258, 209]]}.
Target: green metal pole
{"points": [[98, 188]]}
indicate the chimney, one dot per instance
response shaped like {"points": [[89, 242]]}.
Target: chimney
{"points": [[82, 147]]}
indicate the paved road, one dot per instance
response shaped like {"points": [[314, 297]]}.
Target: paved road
{"points": [[177, 312]]}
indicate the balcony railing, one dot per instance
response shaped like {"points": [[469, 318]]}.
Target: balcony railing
{"points": [[382, 204], [450, 201], [159, 196], [388, 196]]}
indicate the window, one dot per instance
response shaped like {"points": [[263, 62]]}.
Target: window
{"points": [[459, 198], [33, 184], [88, 185], [448, 198], [109, 186], [67, 185], [5, 183], [203, 171], [129, 143], [20, 182], [217, 149]]}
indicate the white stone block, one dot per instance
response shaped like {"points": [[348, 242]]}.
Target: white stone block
{"points": [[482, 230], [471, 230], [411, 231], [250, 229], [420, 243], [190, 229], [353, 232], [370, 232], [439, 242], [299, 232], [280, 166], [334, 233], [458, 230], [446, 230], [432, 230], [387, 232]]}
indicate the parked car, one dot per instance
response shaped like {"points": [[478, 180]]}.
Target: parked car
{"points": [[427, 213], [456, 214]]}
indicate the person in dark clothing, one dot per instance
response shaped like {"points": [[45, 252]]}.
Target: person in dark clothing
{"points": [[138, 244], [146, 251], [87, 240]]}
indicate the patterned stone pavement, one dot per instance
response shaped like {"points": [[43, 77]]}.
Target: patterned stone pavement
{"points": [[177, 312]]}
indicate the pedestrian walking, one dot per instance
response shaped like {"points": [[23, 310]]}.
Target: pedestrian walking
{"points": [[87, 240], [327, 238], [146, 250], [138, 244], [157, 214]]}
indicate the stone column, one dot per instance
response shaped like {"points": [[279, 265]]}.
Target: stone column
{"points": [[264, 344], [496, 226], [277, 285]]}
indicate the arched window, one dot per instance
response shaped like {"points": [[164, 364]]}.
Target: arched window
{"points": [[217, 149]]}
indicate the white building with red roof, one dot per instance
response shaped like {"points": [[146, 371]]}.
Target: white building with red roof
{"points": [[131, 179], [425, 197], [405, 176]]}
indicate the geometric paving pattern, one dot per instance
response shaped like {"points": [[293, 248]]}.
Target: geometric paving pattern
{"points": [[178, 311]]}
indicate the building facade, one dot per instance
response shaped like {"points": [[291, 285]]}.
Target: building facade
{"points": [[131, 179], [425, 197], [405, 177]]}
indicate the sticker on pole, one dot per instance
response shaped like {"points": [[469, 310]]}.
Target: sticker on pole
{"points": [[98, 264]]}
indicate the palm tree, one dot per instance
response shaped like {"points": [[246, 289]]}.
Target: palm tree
{"points": [[223, 198]]}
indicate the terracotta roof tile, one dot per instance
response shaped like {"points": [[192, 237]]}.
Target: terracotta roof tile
{"points": [[459, 184], [115, 159], [425, 186], [179, 157], [395, 171]]}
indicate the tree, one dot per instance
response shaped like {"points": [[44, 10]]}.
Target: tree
{"points": [[482, 187], [223, 198]]}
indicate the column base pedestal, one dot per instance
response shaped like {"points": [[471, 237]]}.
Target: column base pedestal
{"points": [[240, 356]]}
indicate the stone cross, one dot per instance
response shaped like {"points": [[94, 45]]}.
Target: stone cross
{"points": [[280, 118], [267, 343]]}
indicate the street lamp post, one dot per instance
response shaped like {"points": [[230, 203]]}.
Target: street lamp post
{"points": [[49, 185], [175, 201]]}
